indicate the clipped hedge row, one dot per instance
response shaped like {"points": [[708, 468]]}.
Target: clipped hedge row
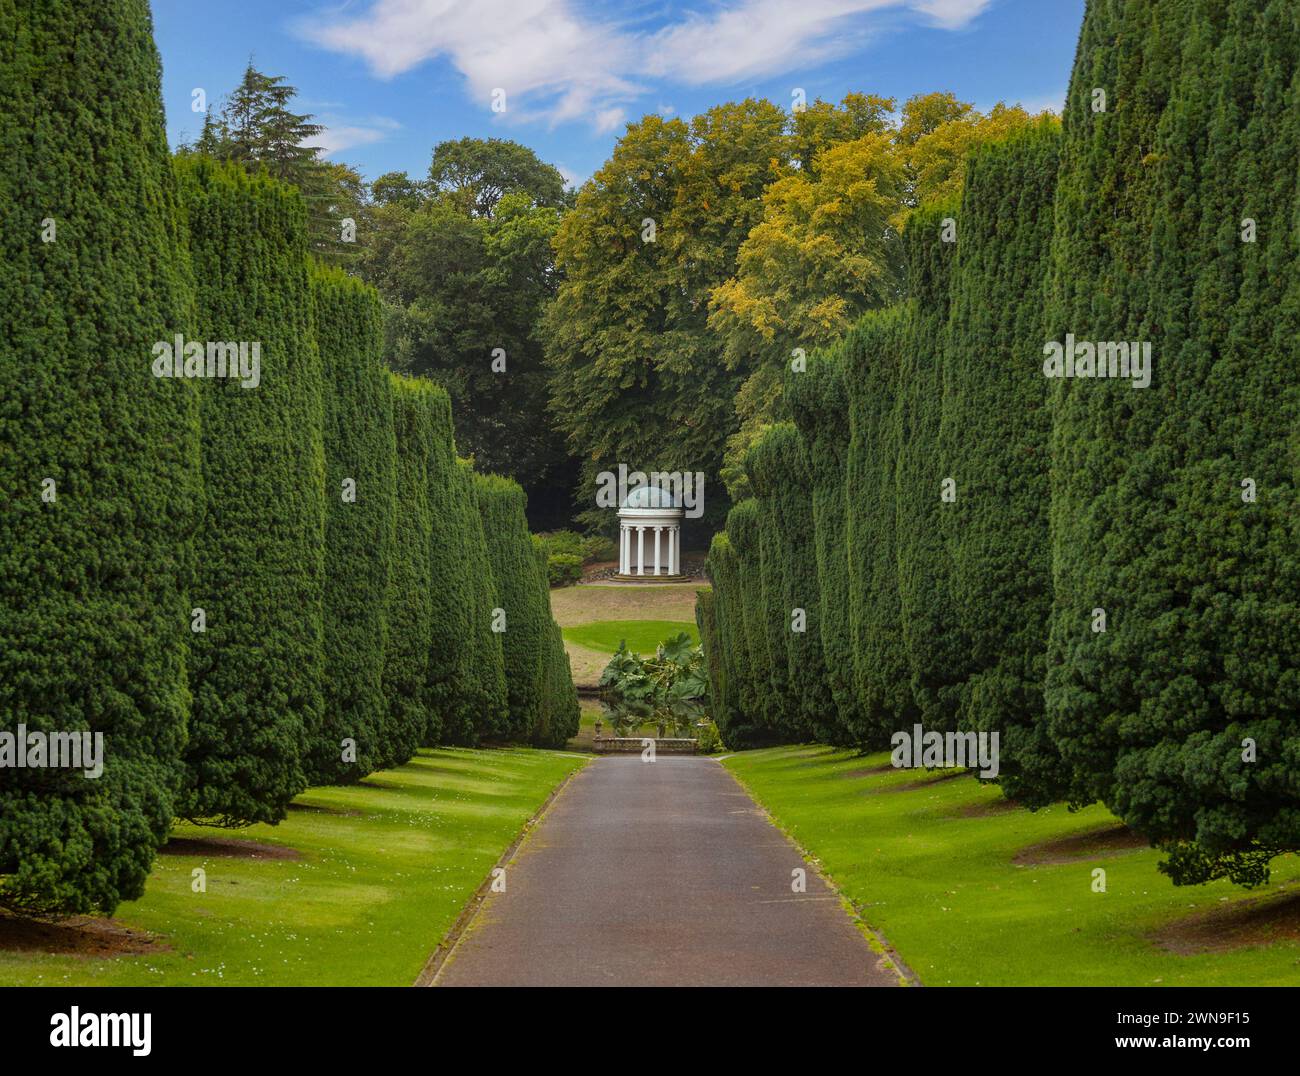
{"points": [[99, 470], [257, 667], [360, 495], [1102, 567], [234, 546], [542, 703]]}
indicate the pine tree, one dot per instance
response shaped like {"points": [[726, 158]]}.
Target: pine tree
{"points": [[257, 668], [99, 469]]}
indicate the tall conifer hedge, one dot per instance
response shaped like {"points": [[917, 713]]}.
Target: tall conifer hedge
{"points": [[818, 399], [409, 608], [481, 709], [731, 687], [558, 711], [937, 652], [872, 352], [762, 705], [515, 568], [450, 593], [1175, 507], [99, 468], [257, 668], [779, 477], [360, 492], [993, 438]]}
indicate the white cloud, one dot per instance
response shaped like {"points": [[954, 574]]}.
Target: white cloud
{"points": [[336, 137], [557, 62], [571, 178], [1054, 102]]}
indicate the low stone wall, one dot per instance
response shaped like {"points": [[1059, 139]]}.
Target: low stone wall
{"points": [[634, 745]]}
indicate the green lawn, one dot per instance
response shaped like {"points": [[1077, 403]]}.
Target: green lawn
{"points": [[642, 635], [386, 867], [937, 878]]}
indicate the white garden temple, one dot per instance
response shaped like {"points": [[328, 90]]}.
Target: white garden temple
{"points": [[650, 534]]}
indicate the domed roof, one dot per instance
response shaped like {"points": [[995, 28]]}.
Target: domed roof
{"points": [[650, 497]]}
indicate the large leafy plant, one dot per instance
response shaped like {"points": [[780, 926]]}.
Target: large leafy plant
{"points": [[664, 689]]}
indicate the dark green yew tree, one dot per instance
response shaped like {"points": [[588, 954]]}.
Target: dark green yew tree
{"points": [[717, 659], [410, 610], [937, 652], [453, 517], [726, 646], [872, 351], [819, 404], [522, 616], [481, 710], [993, 437], [779, 476], [1175, 506], [762, 707], [558, 712], [99, 466], [257, 667], [360, 491]]}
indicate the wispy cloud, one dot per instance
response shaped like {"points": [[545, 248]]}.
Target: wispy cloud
{"points": [[561, 62], [336, 135]]}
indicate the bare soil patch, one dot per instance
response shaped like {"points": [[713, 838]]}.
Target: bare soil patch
{"points": [[1099, 844], [227, 847], [1240, 925], [589, 604], [586, 665], [76, 936]]}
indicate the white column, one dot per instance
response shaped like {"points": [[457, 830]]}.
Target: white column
{"points": [[672, 550], [640, 551], [622, 549], [657, 530]]}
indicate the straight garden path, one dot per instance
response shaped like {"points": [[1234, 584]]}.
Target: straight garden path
{"points": [[654, 874]]}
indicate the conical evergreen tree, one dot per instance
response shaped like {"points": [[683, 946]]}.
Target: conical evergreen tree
{"points": [[778, 475], [761, 705], [993, 438], [360, 484], [1175, 506], [818, 400], [99, 469], [872, 352], [409, 608], [256, 676], [523, 615], [937, 652], [486, 711], [727, 647]]}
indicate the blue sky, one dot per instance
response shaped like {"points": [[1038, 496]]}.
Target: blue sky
{"points": [[391, 78]]}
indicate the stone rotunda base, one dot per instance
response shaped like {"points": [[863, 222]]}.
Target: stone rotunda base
{"points": [[663, 577]]}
